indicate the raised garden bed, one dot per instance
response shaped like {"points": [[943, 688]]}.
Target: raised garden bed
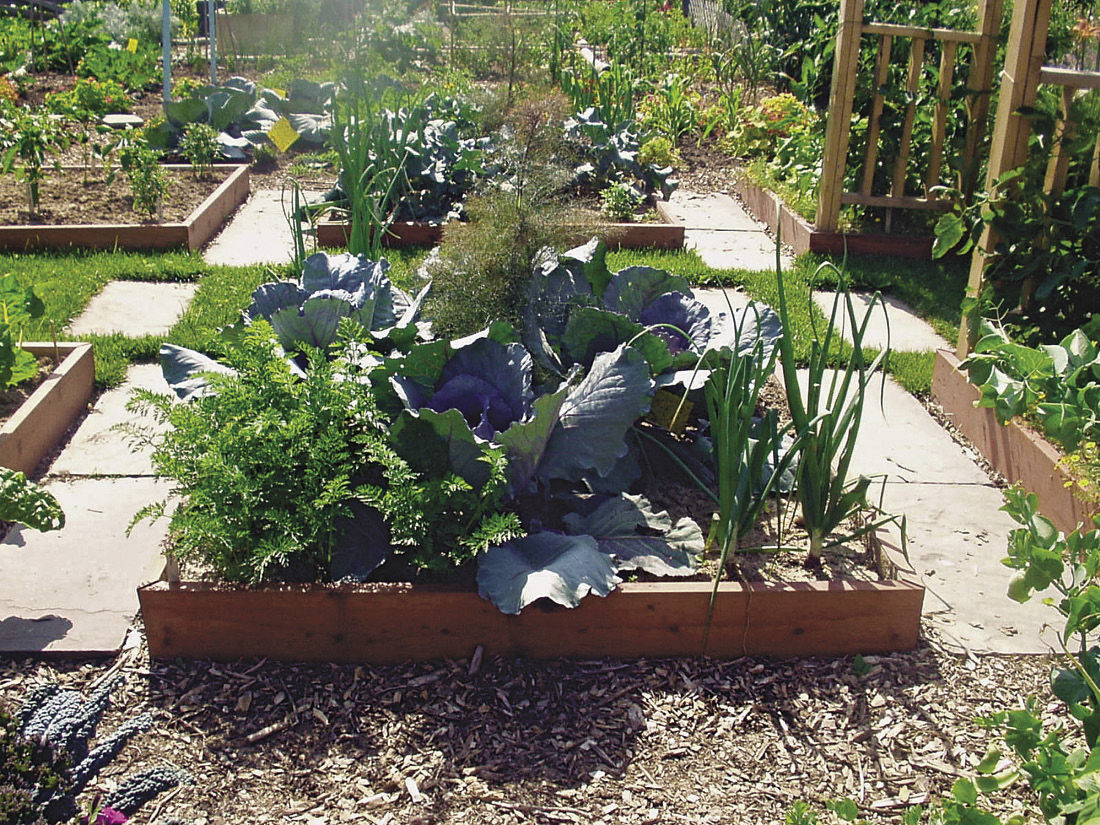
{"points": [[1014, 450], [797, 233], [395, 622], [38, 425], [663, 235], [192, 232]]}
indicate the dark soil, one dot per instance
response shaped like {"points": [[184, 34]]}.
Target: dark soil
{"points": [[66, 199], [12, 398]]}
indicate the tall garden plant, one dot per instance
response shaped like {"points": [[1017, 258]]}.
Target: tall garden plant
{"points": [[826, 417]]}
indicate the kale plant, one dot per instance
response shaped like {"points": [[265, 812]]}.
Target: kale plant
{"points": [[52, 758]]}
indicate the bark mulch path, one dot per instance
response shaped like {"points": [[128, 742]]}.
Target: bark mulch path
{"points": [[513, 741], [66, 199]]}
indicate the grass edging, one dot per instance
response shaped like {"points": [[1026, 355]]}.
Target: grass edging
{"points": [[203, 222], [381, 623], [1016, 451], [43, 419]]}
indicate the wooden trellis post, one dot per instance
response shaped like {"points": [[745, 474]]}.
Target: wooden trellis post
{"points": [[841, 94], [1019, 86]]}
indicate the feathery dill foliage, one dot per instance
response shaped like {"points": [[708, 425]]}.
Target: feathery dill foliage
{"points": [[269, 463]]}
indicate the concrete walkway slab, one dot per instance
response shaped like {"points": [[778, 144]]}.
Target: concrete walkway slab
{"points": [[74, 590], [257, 234], [900, 440], [99, 446], [134, 308], [957, 538], [710, 211], [721, 249], [893, 323]]}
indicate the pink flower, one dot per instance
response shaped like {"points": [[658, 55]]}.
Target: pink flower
{"points": [[109, 816]]}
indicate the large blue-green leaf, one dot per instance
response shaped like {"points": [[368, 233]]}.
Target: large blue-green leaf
{"points": [[185, 370], [561, 568], [441, 441], [314, 323], [183, 112], [269, 298], [592, 330], [525, 441], [752, 323], [361, 542], [638, 538], [635, 287], [343, 271], [596, 416], [683, 323], [592, 258]]}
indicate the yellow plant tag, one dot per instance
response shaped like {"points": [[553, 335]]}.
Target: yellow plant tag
{"points": [[131, 46], [280, 92], [282, 134], [669, 410]]}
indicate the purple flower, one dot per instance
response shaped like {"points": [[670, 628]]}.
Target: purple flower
{"points": [[109, 816]]}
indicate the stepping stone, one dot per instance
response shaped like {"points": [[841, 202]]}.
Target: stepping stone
{"points": [[907, 332], [721, 249], [134, 308], [74, 590], [99, 447], [257, 234], [957, 538], [123, 121], [711, 211]]}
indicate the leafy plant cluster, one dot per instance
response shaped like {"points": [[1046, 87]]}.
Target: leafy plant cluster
{"points": [[341, 436], [47, 759], [89, 99], [1061, 763], [1056, 385], [242, 114]]}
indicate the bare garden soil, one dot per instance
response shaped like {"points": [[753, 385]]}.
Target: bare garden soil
{"points": [[604, 741], [67, 199]]}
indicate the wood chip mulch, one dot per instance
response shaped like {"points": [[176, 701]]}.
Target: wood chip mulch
{"points": [[514, 741]]}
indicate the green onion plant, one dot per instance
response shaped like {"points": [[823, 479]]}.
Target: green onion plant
{"points": [[372, 141], [826, 418]]}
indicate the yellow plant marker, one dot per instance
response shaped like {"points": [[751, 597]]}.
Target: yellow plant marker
{"points": [[669, 410], [131, 46], [279, 92], [282, 134]]}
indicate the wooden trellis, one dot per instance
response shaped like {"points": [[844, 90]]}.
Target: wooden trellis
{"points": [[853, 29], [1024, 72]]}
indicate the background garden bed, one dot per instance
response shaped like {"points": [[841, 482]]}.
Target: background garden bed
{"points": [[396, 622], [1014, 450], [203, 222], [664, 235], [39, 424], [797, 233]]}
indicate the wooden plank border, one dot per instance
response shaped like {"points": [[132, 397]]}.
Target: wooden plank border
{"points": [[43, 419], [664, 235], [1017, 452], [796, 232], [379, 623], [200, 226]]}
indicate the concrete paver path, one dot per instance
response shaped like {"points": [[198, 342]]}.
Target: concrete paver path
{"points": [[892, 323], [257, 234], [134, 308]]}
